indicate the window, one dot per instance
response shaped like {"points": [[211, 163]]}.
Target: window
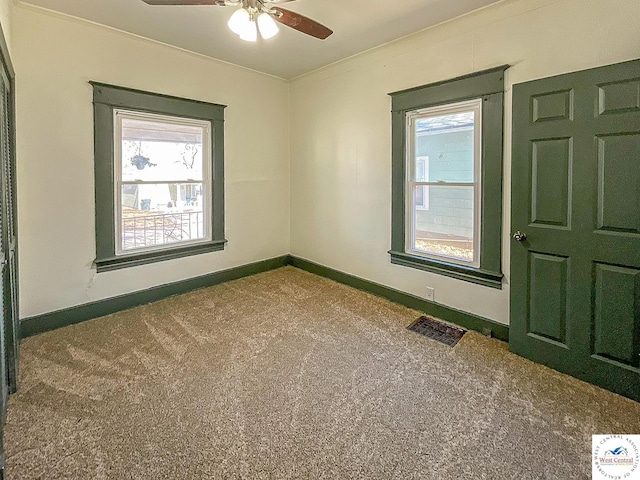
{"points": [[159, 177], [155, 156], [451, 135], [447, 177]]}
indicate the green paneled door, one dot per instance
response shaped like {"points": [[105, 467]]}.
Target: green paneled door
{"points": [[575, 216]]}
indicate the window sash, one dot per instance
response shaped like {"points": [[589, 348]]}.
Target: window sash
{"points": [[410, 182], [118, 183], [162, 182]]}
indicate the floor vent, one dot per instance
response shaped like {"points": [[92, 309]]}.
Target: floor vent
{"points": [[432, 328]]}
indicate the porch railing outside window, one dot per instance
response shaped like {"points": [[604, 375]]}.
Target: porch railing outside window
{"points": [[140, 231]]}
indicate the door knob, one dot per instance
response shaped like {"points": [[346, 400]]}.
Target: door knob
{"points": [[519, 236]]}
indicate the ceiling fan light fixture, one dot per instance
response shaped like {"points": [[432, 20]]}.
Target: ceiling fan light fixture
{"points": [[254, 15], [249, 32], [239, 21], [267, 26]]}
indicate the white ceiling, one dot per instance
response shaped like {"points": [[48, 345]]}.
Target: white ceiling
{"points": [[358, 25]]}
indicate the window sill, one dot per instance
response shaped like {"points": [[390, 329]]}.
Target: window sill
{"points": [[133, 260], [473, 275]]}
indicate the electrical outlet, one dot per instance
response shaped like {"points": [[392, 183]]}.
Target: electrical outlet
{"points": [[431, 293]]}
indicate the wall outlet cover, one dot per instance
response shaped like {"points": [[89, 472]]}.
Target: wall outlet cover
{"points": [[431, 293]]}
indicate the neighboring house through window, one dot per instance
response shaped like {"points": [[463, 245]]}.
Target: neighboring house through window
{"points": [[159, 177], [447, 177], [450, 134], [421, 189]]}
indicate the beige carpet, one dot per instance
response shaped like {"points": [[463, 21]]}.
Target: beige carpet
{"points": [[289, 375]]}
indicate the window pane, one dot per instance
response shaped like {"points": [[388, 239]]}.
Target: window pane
{"points": [[447, 141], [160, 151], [421, 197], [161, 213], [447, 227]]}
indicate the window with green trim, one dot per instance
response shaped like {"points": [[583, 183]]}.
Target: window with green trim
{"points": [[158, 177], [447, 177]]}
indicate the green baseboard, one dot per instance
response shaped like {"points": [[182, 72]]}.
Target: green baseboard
{"points": [[69, 316], [448, 314]]}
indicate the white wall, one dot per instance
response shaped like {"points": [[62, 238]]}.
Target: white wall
{"points": [[6, 20], [55, 57], [338, 183], [340, 127]]}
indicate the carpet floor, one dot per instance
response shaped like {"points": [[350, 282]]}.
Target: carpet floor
{"points": [[289, 375]]}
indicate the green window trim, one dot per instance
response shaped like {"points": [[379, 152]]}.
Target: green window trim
{"points": [[106, 98], [489, 86]]}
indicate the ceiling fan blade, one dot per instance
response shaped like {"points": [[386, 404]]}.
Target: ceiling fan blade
{"points": [[184, 2], [301, 23]]}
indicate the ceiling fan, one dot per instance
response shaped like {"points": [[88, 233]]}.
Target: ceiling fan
{"points": [[258, 15]]}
